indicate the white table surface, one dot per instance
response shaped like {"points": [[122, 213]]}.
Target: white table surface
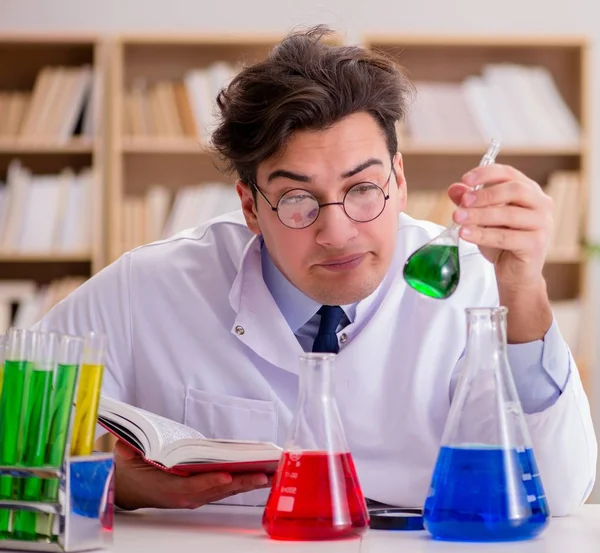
{"points": [[238, 529]]}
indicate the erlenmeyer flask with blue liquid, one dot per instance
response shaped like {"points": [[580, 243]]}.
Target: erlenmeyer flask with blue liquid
{"points": [[486, 485]]}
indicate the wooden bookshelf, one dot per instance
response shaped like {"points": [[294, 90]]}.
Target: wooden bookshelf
{"points": [[45, 144], [133, 162], [438, 60]]}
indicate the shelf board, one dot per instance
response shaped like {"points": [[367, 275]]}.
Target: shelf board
{"points": [[189, 146], [49, 38], [21, 146], [200, 39], [45, 258], [443, 150], [162, 146], [476, 40]]}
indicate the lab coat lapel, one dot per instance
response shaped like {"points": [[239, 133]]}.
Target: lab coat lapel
{"points": [[259, 323]]}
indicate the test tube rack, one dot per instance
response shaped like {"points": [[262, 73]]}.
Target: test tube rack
{"points": [[82, 515]]}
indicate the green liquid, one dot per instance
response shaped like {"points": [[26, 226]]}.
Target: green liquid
{"points": [[60, 417], [434, 271], [35, 435], [11, 403]]}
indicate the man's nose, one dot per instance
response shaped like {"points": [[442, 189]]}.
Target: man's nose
{"points": [[335, 229]]}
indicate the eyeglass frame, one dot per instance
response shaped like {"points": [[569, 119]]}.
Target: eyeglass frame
{"points": [[386, 197]]}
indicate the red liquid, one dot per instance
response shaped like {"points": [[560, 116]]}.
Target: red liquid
{"points": [[315, 496]]}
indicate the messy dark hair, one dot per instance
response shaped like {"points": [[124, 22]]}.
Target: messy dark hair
{"points": [[305, 83]]}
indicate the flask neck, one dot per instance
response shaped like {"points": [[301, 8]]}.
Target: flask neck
{"points": [[486, 330], [316, 377], [316, 424]]}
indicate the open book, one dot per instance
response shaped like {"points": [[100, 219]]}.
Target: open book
{"points": [[180, 449]]}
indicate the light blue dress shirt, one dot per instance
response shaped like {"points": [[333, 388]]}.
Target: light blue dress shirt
{"points": [[540, 369]]}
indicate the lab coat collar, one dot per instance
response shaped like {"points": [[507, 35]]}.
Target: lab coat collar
{"points": [[261, 326], [259, 323]]}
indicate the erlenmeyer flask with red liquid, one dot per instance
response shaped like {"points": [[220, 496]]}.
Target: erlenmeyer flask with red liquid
{"points": [[316, 494]]}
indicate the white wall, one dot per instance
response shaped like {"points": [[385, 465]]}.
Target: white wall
{"points": [[351, 17]]}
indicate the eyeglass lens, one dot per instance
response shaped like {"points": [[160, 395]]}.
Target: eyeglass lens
{"points": [[362, 203]]}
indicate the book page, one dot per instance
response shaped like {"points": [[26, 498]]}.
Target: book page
{"points": [[157, 430], [170, 431]]}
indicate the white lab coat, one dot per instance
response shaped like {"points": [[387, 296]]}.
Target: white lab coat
{"points": [[196, 336]]}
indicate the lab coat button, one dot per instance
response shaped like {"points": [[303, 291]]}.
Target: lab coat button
{"points": [[343, 338], [239, 330]]}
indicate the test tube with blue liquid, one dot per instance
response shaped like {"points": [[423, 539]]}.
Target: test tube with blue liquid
{"points": [[486, 485]]}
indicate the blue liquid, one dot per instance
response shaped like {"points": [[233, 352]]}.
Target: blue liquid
{"points": [[485, 494]]}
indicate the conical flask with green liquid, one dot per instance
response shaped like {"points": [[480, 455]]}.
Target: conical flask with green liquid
{"points": [[434, 269]]}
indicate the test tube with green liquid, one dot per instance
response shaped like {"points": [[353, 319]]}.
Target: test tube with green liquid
{"points": [[63, 392], [3, 339], [20, 350], [35, 418], [2, 355], [88, 394]]}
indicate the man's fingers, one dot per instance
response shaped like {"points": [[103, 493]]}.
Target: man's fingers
{"points": [[513, 217], [505, 239], [219, 483], [199, 483], [239, 484], [125, 452], [494, 174], [457, 191]]}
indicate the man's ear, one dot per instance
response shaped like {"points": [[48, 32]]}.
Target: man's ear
{"points": [[401, 197], [248, 205]]}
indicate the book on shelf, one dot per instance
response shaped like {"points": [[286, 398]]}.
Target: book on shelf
{"points": [[43, 214], [179, 449], [175, 109], [566, 190], [519, 104], [60, 106], [160, 214], [24, 302]]}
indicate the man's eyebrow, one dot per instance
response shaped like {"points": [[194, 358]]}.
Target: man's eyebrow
{"points": [[284, 173], [362, 167]]}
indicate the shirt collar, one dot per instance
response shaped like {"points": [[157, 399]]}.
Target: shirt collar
{"points": [[296, 307]]}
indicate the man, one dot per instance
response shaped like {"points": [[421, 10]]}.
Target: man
{"points": [[206, 328]]}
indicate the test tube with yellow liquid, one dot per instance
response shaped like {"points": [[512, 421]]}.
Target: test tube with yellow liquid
{"points": [[88, 394]]}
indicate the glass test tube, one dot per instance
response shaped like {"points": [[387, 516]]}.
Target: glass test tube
{"points": [[20, 349], [2, 355], [61, 409], [88, 394], [3, 340], [35, 425]]}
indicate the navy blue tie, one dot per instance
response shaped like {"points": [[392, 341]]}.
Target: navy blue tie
{"points": [[326, 340]]}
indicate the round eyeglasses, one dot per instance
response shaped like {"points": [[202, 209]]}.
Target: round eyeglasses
{"points": [[299, 208]]}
